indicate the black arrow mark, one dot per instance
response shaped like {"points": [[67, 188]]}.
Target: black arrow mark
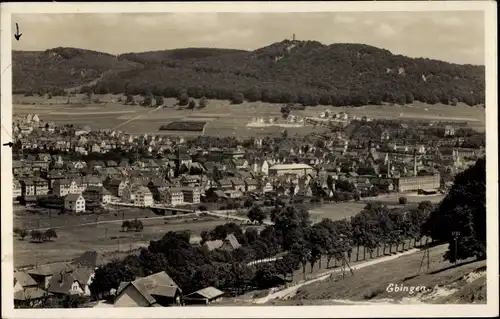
{"points": [[10, 144], [17, 35]]}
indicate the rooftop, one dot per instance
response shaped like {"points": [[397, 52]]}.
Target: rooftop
{"points": [[290, 166]]}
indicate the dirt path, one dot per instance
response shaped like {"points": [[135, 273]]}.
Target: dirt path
{"points": [[288, 292], [115, 221]]}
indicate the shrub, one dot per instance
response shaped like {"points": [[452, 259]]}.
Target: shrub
{"points": [[203, 103], [403, 200]]}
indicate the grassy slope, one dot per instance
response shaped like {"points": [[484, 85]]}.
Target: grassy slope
{"points": [[370, 283]]}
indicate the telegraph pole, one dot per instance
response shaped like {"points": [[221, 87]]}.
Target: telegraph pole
{"points": [[425, 256], [455, 235]]}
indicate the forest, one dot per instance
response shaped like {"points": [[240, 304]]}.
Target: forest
{"points": [[303, 72]]}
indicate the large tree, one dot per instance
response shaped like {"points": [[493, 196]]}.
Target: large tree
{"points": [[462, 213], [256, 214]]}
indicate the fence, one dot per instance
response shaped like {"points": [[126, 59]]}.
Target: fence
{"points": [[264, 260], [409, 244]]}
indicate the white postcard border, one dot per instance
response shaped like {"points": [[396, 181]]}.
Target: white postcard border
{"points": [[491, 309]]}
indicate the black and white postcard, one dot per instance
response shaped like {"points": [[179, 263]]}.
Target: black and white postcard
{"points": [[249, 159]]}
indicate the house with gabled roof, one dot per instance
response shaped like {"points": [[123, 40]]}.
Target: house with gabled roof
{"points": [[63, 187], [116, 186], [97, 194], [155, 290], [203, 296], [42, 274], [251, 185], [26, 289], [17, 167], [16, 189], [230, 243], [238, 184], [74, 203], [73, 282], [27, 188], [90, 259]]}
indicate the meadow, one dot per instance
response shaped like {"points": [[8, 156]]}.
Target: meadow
{"points": [[223, 119], [336, 211], [76, 234], [412, 198]]}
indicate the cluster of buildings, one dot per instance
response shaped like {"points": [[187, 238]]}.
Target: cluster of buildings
{"points": [[176, 173], [31, 286], [59, 279]]}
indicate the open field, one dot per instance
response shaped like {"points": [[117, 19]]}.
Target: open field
{"points": [[371, 282], [106, 237], [23, 219], [336, 211], [223, 118], [413, 198]]}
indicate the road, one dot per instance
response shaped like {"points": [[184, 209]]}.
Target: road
{"points": [[290, 291], [116, 221], [119, 221], [240, 218]]}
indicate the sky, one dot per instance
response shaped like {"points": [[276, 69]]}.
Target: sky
{"points": [[456, 37]]}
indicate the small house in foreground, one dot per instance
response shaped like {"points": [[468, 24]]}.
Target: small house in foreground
{"points": [[151, 291], [230, 243], [203, 296]]}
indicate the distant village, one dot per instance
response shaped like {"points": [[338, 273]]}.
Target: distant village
{"points": [[65, 167], [323, 119]]}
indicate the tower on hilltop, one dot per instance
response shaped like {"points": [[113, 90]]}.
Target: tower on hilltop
{"points": [[293, 38]]}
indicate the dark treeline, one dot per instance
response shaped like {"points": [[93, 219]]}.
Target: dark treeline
{"points": [[307, 72]]}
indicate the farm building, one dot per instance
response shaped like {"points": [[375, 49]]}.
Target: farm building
{"points": [[26, 289], [43, 274], [230, 243], [89, 258], [154, 290], [68, 283], [203, 296]]}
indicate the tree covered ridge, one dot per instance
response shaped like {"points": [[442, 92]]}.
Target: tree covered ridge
{"points": [[53, 70], [305, 72]]}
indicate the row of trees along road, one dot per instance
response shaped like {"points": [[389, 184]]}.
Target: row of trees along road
{"points": [[375, 227]]}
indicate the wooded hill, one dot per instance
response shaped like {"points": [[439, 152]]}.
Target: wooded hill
{"points": [[305, 72]]}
